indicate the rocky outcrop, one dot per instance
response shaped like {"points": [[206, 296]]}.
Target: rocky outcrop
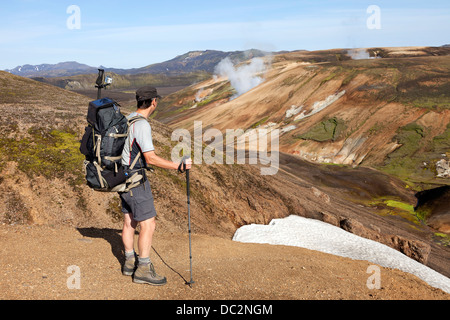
{"points": [[443, 169], [414, 249], [433, 207]]}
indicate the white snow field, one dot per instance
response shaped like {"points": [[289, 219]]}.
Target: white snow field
{"points": [[320, 236]]}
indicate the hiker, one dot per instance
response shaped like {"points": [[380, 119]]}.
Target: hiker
{"points": [[137, 205]]}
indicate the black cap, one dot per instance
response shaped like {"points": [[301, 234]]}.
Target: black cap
{"points": [[147, 93]]}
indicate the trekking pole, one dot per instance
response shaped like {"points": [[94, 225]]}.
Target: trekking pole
{"points": [[182, 168], [189, 224]]}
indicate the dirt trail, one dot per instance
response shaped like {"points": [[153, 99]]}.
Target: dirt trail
{"points": [[35, 260]]}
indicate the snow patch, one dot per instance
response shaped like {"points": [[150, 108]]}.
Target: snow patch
{"points": [[320, 236], [288, 128], [320, 105], [294, 110]]}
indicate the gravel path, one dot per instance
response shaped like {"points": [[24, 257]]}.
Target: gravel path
{"points": [[64, 263]]}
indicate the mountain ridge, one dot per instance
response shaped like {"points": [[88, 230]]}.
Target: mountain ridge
{"points": [[59, 68], [191, 61]]}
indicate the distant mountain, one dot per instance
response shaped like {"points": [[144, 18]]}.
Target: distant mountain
{"points": [[199, 61], [61, 69], [193, 61]]}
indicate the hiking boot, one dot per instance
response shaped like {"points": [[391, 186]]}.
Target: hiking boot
{"points": [[145, 273], [129, 266]]}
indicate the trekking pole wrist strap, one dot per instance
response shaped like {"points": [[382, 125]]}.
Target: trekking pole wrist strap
{"points": [[182, 166]]}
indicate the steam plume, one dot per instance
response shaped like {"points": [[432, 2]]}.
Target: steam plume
{"points": [[359, 54], [242, 78]]}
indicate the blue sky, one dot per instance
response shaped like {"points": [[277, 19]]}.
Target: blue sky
{"points": [[130, 34]]}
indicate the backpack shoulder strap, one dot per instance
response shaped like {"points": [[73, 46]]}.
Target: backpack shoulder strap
{"points": [[132, 121], [135, 119]]}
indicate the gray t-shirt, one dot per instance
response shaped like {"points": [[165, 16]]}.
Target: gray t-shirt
{"points": [[139, 140]]}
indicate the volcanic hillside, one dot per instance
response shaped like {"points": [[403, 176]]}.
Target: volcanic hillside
{"points": [[45, 207], [390, 110], [381, 108]]}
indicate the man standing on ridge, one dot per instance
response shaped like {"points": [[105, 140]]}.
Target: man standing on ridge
{"points": [[137, 205]]}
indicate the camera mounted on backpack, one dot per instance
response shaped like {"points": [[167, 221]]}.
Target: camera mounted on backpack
{"points": [[102, 82]]}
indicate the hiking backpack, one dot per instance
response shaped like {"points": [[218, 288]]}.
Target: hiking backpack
{"points": [[102, 145]]}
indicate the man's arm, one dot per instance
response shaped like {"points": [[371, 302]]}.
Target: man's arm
{"points": [[153, 159]]}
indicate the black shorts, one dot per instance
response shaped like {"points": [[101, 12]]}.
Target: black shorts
{"points": [[140, 205]]}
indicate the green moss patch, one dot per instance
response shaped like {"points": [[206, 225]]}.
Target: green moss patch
{"points": [[47, 152], [405, 161], [442, 238], [326, 130], [441, 143], [393, 207], [400, 205], [415, 160]]}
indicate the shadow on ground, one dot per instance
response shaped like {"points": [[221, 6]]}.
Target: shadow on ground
{"points": [[114, 238]]}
